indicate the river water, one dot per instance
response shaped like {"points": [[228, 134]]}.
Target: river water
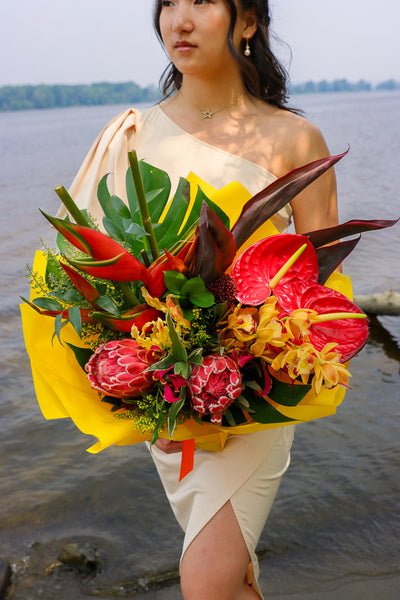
{"points": [[337, 513]]}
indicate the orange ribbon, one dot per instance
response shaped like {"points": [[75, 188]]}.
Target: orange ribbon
{"points": [[188, 447]]}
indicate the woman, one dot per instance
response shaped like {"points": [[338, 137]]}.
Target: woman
{"points": [[224, 117]]}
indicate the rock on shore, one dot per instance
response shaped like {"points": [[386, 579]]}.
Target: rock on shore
{"points": [[5, 578]]}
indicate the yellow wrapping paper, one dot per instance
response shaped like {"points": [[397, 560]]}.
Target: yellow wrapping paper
{"points": [[63, 390]]}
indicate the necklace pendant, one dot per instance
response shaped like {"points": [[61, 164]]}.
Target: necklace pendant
{"points": [[206, 114]]}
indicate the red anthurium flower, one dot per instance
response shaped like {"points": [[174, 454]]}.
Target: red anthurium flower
{"points": [[256, 270], [335, 322], [110, 260]]}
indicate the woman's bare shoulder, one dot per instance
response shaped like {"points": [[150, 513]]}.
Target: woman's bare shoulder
{"points": [[296, 139]]}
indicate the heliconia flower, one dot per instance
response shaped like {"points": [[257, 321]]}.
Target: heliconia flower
{"points": [[168, 262], [86, 313], [107, 259], [137, 316], [338, 319], [276, 259], [83, 286], [214, 385], [118, 368]]}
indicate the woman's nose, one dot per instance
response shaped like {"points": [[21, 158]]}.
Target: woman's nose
{"points": [[182, 18]]}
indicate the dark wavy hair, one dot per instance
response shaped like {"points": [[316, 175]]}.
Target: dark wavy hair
{"points": [[263, 75]]}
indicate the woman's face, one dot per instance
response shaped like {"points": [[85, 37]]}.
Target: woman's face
{"points": [[195, 34]]}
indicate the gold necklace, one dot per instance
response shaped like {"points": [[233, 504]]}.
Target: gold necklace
{"points": [[208, 113]]}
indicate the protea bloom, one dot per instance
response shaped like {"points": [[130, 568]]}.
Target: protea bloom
{"points": [[214, 385], [118, 368]]}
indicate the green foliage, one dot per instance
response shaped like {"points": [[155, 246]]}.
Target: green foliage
{"points": [[189, 292], [342, 85], [149, 413], [25, 97]]}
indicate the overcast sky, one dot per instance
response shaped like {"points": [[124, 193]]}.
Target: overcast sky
{"points": [[83, 41]]}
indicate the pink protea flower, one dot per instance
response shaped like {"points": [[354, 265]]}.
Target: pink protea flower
{"points": [[118, 368], [214, 385]]}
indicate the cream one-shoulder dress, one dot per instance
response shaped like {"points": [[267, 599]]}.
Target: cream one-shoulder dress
{"points": [[249, 469]]}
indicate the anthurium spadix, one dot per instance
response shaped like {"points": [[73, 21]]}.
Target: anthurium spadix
{"points": [[107, 259], [333, 317], [264, 264]]}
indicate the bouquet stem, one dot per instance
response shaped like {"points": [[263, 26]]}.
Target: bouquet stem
{"points": [[71, 207], [144, 209], [128, 293]]}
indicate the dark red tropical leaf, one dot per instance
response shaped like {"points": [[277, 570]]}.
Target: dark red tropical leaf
{"points": [[330, 257], [258, 264], [215, 249], [321, 237], [350, 334], [274, 197]]}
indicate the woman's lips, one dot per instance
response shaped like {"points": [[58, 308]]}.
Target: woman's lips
{"points": [[183, 46]]}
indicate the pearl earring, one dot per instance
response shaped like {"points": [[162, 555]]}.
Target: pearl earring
{"points": [[247, 50]]}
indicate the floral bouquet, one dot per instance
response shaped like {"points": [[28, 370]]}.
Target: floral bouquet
{"points": [[187, 326]]}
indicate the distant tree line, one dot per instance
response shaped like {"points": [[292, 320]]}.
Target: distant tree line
{"points": [[342, 85], [25, 97]]}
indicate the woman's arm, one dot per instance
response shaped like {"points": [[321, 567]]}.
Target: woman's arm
{"points": [[316, 206]]}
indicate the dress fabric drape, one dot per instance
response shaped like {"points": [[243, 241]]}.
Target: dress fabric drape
{"points": [[249, 469]]}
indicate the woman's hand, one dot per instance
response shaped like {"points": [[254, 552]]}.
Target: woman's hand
{"points": [[167, 446]]}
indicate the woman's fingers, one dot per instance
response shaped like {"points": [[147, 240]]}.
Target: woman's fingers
{"points": [[168, 446]]}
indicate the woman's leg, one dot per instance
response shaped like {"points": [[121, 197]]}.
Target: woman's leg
{"points": [[215, 563]]}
